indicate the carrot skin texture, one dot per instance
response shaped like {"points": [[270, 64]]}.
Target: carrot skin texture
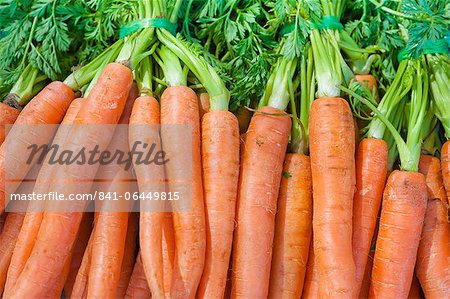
{"points": [[311, 285], [33, 218], [293, 229], [262, 166], [47, 107], [220, 157], [146, 112], [445, 164], [129, 256], [8, 116], [371, 174], [80, 285], [332, 148], [138, 287], [79, 248], [433, 256], [104, 105], [7, 242], [402, 216], [112, 221], [367, 80], [179, 105]]}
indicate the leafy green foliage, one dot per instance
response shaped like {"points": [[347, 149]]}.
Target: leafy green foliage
{"points": [[431, 22], [236, 32]]}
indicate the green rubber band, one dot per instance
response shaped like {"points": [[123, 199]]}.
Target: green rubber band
{"points": [[134, 26], [329, 22]]}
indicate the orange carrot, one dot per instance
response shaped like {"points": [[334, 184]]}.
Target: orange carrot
{"points": [[80, 285], [220, 157], [8, 116], [7, 241], [203, 103], [367, 80], [138, 287], [79, 248], [58, 287], [333, 171], [111, 226], [433, 256], [146, 112], [293, 229], [129, 256], [168, 252], [58, 231], [47, 107], [311, 285], [371, 173], [262, 166], [179, 105], [402, 217], [445, 161], [33, 218]]}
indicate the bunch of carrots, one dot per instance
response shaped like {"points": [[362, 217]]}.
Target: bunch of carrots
{"points": [[328, 178]]}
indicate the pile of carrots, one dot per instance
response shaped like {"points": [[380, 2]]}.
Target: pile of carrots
{"points": [[295, 195]]}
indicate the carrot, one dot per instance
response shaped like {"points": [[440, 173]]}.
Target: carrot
{"points": [[371, 173], [433, 256], [111, 225], [146, 112], [79, 248], [293, 229], [203, 103], [8, 116], [168, 252], [7, 241], [311, 285], [368, 80], [58, 287], [220, 157], [80, 285], [402, 217], [104, 105], [129, 256], [34, 215], [262, 165], [47, 107], [138, 287], [415, 292], [445, 161], [333, 172], [179, 105]]}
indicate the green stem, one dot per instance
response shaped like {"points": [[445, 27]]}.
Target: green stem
{"points": [[30, 38], [394, 12], [85, 74], [406, 156], [30, 82], [171, 66], [219, 94], [399, 88]]}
